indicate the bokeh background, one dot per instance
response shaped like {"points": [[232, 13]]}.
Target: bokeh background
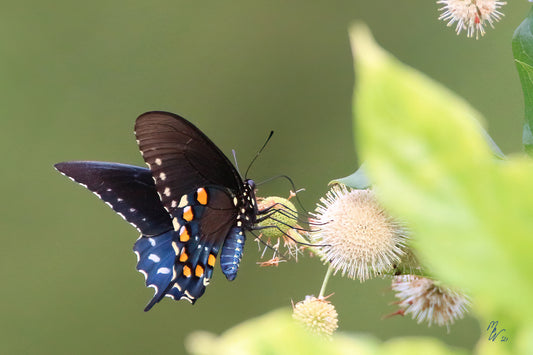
{"points": [[74, 75]]}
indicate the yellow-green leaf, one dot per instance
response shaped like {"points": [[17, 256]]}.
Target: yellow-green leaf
{"points": [[426, 153]]}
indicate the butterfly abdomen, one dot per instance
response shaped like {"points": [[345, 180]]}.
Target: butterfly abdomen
{"points": [[232, 252]]}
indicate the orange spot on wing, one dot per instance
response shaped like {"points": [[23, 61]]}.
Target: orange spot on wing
{"points": [[211, 260], [199, 271], [184, 256], [188, 214], [201, 196], [186, 271], [184, 235]]}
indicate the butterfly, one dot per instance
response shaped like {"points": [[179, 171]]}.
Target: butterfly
{"points": [[190, 205]]}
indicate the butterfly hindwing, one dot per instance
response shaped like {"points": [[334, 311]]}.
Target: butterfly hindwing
{"points": [[200, 228], [155, 260]]}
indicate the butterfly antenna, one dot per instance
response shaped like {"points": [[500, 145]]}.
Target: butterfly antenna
{"points": [[235, 160], [292, 186], [257, 155]]}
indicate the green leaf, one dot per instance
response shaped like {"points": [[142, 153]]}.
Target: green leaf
{"points": [[277, 333], [357, 180], [425, 151], [523, 55]]}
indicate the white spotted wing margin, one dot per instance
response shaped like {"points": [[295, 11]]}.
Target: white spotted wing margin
{"points": [[129, 190]]}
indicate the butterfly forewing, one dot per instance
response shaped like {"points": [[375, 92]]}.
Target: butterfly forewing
{"points": [[127, 189], [181, 157]]}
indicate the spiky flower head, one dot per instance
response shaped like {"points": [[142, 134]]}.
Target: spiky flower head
{"points": [[471, 15], [284, 216], [361, 239], [317, 315], [427, 300], [280, 229]]}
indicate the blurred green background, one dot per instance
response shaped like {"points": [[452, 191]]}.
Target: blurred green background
{"points": [[75, 75]]}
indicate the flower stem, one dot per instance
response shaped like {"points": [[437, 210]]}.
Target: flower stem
{"points": [[325, 282]]}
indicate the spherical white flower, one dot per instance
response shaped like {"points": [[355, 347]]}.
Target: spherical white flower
{"points": [[360, 238], [471, 15], [317, 315], [428, 301]]}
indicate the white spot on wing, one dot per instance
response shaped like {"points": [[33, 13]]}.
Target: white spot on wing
{"points": [[167, 191], [163, 270], [154, 258], [176, 248], [183, 201], [176, 223], [186, 298], [152, 241], [158, 161], [163, 176]]}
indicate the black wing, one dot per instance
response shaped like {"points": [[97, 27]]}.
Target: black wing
{"points": [[127, 189], [181, 157]]}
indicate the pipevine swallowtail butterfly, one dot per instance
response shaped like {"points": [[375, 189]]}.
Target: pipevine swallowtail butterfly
{"points": [[190, 205]]}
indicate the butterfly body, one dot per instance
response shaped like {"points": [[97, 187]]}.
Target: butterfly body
{"points": [[190, 205]]}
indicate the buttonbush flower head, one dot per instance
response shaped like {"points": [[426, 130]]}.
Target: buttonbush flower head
{"points": [[360, 238], [426, 300], [281, 227], [471, 15], [317, 315]]}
